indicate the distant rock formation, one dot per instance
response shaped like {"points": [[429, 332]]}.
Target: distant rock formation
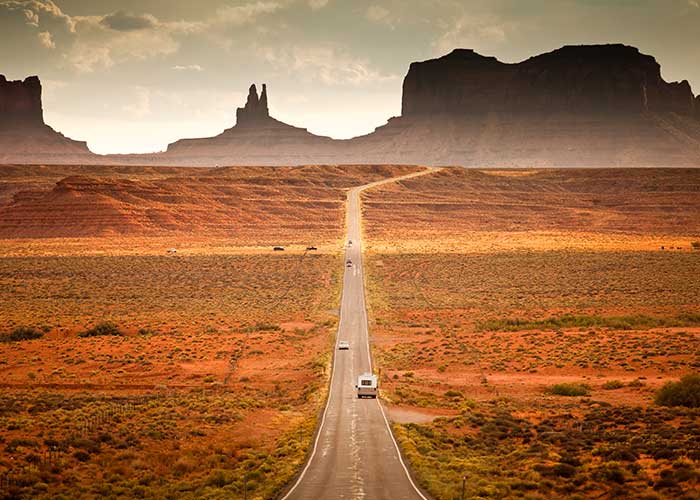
{"points": [[20, 103], [610, 79], [595, 105], [255, 111], [599, 105], [254, 140], [24, 137]]}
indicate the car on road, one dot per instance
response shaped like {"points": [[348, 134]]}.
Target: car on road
{"points": [[278, 249], [343, 345], [366, 386], [348, 263]]}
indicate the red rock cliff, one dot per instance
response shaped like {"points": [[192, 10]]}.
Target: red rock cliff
{"points": [[20, 102], [573, 79]]}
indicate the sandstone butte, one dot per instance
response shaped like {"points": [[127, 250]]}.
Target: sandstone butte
{"points": [[597, 105]]}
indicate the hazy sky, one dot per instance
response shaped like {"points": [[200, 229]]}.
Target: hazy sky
{"points": [[134, 75]]}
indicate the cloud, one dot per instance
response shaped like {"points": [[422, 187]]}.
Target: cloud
{"points": [[38, 11], [317, 4], [474, 32], [97, 50], [123, 21], [378, 14], [189, 67], [32, 17], [328, 65], [245, 14], [46, 40]]}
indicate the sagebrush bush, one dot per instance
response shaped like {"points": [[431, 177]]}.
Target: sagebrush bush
{"points": [[570, 389], [613, 384], [22, 333], [105, 328], [685, 392]]}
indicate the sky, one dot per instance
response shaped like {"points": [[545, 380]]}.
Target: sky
{"points": [[131, 76]]}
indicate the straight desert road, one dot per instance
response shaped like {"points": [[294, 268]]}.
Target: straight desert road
{"points": [[354, 456]]}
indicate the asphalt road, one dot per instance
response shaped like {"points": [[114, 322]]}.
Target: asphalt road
{"points": [[354, 455]]}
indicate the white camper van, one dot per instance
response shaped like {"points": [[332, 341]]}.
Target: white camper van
{"points": [[366, 386]]}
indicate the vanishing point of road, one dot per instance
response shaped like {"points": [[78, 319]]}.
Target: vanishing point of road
{"points": [[354, 455]]}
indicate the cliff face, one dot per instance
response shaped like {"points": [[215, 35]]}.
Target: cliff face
{"points": [[574, 79], [24, 137], [20, 102]]}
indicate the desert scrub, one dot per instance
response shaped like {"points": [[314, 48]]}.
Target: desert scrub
{"points": [[685, 392], [560, 456], [631, 322], [569, 389], [21, 333], [612, 385], [106, 328]]}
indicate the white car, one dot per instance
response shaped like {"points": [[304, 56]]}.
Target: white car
{"points": [[343, 345], [348, 263]]}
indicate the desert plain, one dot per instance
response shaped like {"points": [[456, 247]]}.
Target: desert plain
{"points": [[521, 324]]}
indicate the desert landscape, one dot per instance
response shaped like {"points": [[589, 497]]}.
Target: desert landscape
{"points": [[199, 371], [324, 250], [524, 322]]}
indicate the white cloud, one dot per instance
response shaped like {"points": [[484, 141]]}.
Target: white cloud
{"points": [[325, 64], [317, 4], [38, 11], [32, 17], [189, 67], [46, 40]]}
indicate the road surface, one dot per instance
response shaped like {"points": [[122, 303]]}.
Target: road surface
{"points": [[354, 456]]}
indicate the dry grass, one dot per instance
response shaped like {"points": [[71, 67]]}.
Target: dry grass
{"points": [[224, 357]]}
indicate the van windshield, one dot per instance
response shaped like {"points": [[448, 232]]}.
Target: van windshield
{"points": [[366, 382]]}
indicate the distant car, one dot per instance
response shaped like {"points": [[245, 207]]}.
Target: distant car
{"points": [[172, 250], [348, 263], [343, 345], [366, 386], [311, 248], [278, 249], [349, 243]]}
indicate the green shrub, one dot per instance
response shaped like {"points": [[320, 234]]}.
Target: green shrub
{"points": [[685, 392], [570, 389], [106, 328], [22, 333], [453, 394], [695, 245], [613, 384]]}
